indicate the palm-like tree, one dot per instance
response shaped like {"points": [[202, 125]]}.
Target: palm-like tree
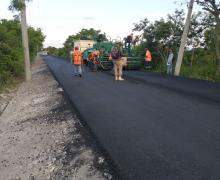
{"points": [[183, 39], [20, 5]]}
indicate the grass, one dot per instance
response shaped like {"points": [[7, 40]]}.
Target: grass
{"points": [[204, 71], [11, 84]]}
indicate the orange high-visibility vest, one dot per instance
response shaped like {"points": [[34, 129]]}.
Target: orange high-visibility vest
{"points": [[77, 57], [96, 54], [92, 57], [148, 56]]}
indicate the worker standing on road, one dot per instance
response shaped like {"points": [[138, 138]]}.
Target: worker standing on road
{"points": [[148, 59], [116, 55], [170, 62], [77, 61]]}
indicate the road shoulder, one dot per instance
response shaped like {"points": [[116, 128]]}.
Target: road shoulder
{"points": [[42, 138]]}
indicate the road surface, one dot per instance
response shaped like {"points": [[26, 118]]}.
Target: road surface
{"points": [[152, 126]]}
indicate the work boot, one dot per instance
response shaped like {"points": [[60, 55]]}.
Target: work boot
{"points": [[120, 78], [116, 78]]}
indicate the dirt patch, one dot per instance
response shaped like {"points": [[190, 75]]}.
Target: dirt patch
{"points": [[41, 136]]}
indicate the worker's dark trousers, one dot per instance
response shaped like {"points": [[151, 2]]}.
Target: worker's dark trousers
{"points": [[147, 64]]}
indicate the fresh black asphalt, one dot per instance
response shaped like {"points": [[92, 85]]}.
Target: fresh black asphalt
{"points": [[153, 127]]}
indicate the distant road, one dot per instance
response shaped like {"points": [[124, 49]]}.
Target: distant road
{"points": [[152, 126]]}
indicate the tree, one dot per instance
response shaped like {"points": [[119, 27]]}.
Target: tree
{"points": [[196, 37], [87, 34], [183, 39], [101, 37], [10, 50], [36, 39], [52, 50], [11, 56], [213, 7], [20, 6], [161, 34], [84, 34]]}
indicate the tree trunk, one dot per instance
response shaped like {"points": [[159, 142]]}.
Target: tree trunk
{"points": [[192, 57], [25, 44], [163, 57], [217, 47], [183, 39]]}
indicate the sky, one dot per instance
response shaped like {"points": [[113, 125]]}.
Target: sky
{"points": [[59, 19]]}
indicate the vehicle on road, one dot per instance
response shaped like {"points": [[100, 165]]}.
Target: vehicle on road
{"points": [[133, 61]]}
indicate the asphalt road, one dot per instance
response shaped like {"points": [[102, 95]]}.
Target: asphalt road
{"points": [[153, 127]]}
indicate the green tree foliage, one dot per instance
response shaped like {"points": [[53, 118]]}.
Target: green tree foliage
{"points": [[160, 35], [88, 34], [36, 39], [101, 37], [17, 5], [213, 7], [196, 38], [52, 50], [84, 34], [11, 56]]}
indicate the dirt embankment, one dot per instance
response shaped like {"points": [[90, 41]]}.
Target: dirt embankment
{"points": [[40, 136]]}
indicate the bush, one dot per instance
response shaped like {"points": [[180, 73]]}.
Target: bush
{"points": [[200, 71], [11, 53]]}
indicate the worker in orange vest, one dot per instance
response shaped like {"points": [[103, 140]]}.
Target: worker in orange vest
{"points": [[95, 60], [77, 62], [148, 59]]}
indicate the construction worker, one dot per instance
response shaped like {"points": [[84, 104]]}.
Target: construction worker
{"points": [[129, 40], [116, 56], [77, 61], [95, 60], [170, 62], [148, 59], [90, 58]]}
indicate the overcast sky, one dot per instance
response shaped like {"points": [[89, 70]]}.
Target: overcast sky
{"points": [[60, 18]]}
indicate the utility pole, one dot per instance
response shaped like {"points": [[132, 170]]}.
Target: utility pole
{"points": [[25, 43], [183, 39]]}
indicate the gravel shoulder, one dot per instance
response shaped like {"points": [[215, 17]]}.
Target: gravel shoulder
{"points": [[42, 138]]}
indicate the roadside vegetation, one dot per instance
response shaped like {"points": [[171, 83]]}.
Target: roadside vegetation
{"points": [[201, 57], [11, 54], [84, 34]]}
